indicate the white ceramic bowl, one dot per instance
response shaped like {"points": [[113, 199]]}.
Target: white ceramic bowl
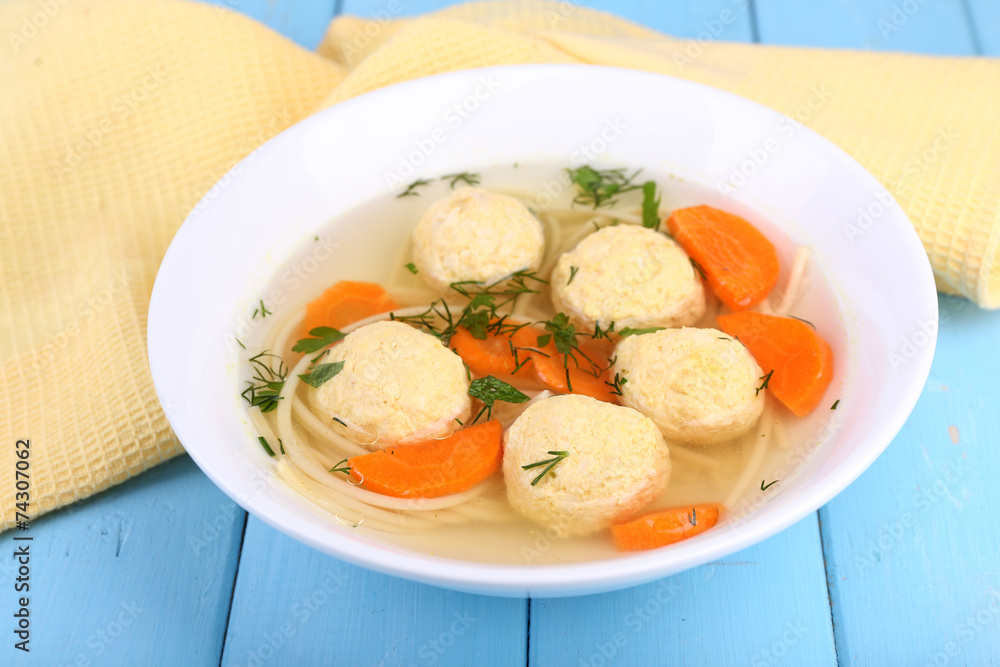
{"points": [[779, 171]]}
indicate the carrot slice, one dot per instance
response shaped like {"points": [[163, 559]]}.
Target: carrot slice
{"points": [[563, 375], [347, 302], [801, 359], [495, 357], [658, 529], [740, 264], [433, 468]]}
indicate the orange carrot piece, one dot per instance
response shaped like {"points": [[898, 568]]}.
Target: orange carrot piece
{"points": [[563, 375], [740, 264], [433, 468], [801, 359], [663, 527], [493, 356], [347, 302]]}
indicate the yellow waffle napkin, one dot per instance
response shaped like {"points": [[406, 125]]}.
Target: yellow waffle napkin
{"points": [[116, 116]]}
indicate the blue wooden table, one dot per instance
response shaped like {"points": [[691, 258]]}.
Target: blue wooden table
{"points": [[900, 569]]}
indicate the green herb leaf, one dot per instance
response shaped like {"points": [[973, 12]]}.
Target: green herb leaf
{"points": [[563, 333], [698, 267], [629, 331], [617, 383], [317, 375], [599, 187], [412, 268], [763, 385], [572, 273], [267, 381], [543, 340], [465, 177], [340, 467], [321, 337], [835, 404], [267, 447], [802, 320], [650, 206], [549, 464], [411, 189], [765, 487], [490, 389]]}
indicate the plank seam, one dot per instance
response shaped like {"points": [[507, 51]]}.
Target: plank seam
{"points": [[232, 591], [527, 642], [829, 594], [970, 21]]}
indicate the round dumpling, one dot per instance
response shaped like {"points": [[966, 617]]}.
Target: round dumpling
{"points": [[629, 275], [698, 385], [617, 462], [473, 234], [397, 385]]}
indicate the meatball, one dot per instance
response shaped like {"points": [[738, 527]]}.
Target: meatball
{"points": [[397, 385], [698, 385], [473, 234], [629, 275], [617, 462]]}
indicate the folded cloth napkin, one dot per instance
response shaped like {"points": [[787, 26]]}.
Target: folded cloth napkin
{"points": [[117, 116]]}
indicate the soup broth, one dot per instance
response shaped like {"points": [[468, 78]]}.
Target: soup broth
{"points": [[372, 243]]}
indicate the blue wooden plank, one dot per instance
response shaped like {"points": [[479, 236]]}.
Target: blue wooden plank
{"points": [[138, 574], [984, 15], [710, 19], [925, 26], [912, 545], [302, 21], [296, 606], [762, 606]]}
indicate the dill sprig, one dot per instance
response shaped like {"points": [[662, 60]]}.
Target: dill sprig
{"points": [[549, 464], [763, 385], [599, 187], [411, 189], [765, 487], [466, 177], [340, 467], [267, 381], [650, 206], [617, 383]]}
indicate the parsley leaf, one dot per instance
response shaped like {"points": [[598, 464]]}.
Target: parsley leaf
{"points": [[317, 375], [321, 337]]}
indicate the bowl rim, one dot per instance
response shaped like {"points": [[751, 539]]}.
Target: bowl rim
{"points": [[556, 579]]}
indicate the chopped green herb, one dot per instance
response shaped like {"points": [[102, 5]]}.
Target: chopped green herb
{"points": [[320, 337], [263, 311], [340, 421], [835, 404], [465, 177], [603, 333], [629, 331], [616, 385], [267, 447], [240, 343], [563, 333], [281, 446], [650, 206], [765, 487], [489, 390], [412, 268], [766, 379], [317, 375], [572, 273], [599, 187], [459, 421], [340, 467], [802, 320], [693, 517], [411, 189], [264, 389], [548, 463]]}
